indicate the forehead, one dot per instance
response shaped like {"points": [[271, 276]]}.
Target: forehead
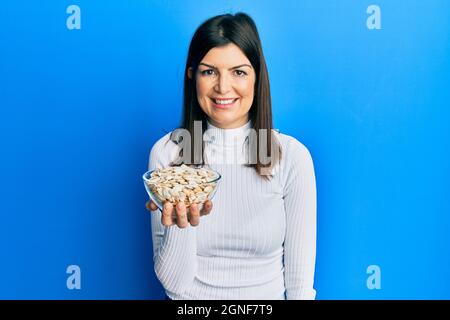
{"points": [[225, 56]]}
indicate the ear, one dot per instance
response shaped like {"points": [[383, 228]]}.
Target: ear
{"points": [[189, 73]]}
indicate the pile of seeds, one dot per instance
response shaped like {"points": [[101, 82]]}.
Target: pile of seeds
{"points": [[182, 184]]}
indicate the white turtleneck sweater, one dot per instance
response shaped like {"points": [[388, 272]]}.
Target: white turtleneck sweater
{"points": [[258, 242]]}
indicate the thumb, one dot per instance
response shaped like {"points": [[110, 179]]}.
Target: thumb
{"points": [[150, 205]]}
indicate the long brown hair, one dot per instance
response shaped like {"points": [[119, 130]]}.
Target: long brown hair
{"points": [[218, 31]]}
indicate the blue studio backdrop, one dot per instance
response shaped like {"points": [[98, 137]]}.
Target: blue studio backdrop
{"points": [[87, 87]]}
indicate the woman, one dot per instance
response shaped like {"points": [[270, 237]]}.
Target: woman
{"points": [[259, 240]]}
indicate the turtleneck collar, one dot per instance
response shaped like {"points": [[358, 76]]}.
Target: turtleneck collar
{"points": [[227, 137]]}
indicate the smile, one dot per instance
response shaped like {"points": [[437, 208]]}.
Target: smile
{"points": [[224, 103]]}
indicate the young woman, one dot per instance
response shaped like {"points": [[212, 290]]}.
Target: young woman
{"points": [[258, 240]]}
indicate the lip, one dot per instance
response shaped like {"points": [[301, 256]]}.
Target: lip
{"points": [[223, 106]]}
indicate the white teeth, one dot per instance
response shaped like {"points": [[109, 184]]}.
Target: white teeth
{"points": [[224, 101]]}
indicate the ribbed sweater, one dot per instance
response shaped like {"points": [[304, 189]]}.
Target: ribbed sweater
{"points": [[258, 242]]}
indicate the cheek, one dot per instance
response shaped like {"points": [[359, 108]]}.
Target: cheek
{"points": [[202, 92], [246, 90], [201, 89]]}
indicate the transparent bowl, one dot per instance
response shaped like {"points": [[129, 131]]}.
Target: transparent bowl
{"points": [[214, 183]]}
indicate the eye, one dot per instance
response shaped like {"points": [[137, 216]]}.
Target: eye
{"points": [[208, 72], [240, 73]]}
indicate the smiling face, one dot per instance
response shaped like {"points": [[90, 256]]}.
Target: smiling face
{"points": [[225, 86]]}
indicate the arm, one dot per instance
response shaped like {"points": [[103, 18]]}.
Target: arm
{"points": [[300, 241], [174, 249]]}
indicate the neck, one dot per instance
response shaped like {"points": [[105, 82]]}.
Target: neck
{"points": [[227, 136], [237, 124]]}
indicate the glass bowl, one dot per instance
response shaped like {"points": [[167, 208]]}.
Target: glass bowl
{"points": [[167, 194]]}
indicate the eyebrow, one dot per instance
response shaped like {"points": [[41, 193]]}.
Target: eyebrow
{"points": [[236, 67]]}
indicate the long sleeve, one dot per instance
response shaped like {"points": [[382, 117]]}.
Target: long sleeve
{"points": [[234, 253], [174, 249], [300, 240]]}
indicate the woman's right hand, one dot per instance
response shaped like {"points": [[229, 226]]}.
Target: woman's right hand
{"points": [[180, 215]]}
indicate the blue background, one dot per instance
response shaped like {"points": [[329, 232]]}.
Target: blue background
{"points": [[80, 110]]}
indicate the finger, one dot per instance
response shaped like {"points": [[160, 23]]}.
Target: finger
{"points": [[182, 221], [207, 207], [151, 206], [194, 215], [166, 218]]}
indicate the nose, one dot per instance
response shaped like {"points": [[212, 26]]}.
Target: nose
{"points": [[223, 84]]}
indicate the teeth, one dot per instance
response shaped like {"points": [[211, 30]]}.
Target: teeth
{"points": [[224, 101]]}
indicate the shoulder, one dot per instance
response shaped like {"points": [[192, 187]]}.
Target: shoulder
{"points": [[296, 159], [292, 149], [163, 152]]}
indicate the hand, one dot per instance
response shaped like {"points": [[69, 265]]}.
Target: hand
{"points": [[180, 215]]}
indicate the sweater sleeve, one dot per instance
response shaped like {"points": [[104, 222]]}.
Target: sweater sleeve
{"points": [[174, 249], [300, 207]]}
